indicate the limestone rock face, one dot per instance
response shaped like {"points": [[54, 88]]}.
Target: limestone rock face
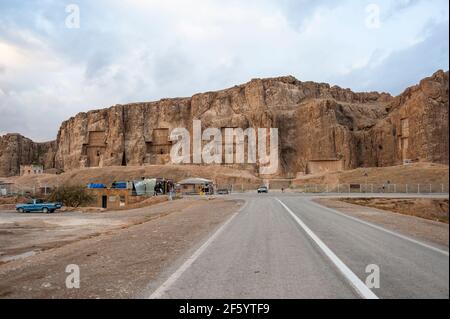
{"points": [[416, 127], [16, 150], [316, 122]]}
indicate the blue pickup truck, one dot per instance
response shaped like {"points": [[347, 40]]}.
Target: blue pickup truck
{"points": [[38, 205]]}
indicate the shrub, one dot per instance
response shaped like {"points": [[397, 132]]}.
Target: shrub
{"points": [[72, 196]]}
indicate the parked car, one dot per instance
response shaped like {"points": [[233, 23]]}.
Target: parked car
{"points": [[262, 189], [223, 191], [38, 205]]}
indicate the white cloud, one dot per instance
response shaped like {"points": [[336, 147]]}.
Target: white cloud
{"points": [[146, 50]]}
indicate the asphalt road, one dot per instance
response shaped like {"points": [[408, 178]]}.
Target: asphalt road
{"points": [[284, 246]]}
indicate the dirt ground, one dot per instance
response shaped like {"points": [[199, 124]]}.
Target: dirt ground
{"points": [[23, 235], [416, 227], [118, 253], [433, 209], [413, 174]]}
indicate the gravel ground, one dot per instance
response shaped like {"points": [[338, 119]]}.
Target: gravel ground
{"points": [[118, 262], [22, 235]]}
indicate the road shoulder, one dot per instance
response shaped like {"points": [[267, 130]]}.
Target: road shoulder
{"points": [[415, 227]]}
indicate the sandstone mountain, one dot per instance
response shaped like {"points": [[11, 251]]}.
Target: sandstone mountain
{"points": [[320, 127], [16, 150]]}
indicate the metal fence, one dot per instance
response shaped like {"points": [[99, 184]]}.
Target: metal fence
{"points": [[375, 188], [12, 189], [349, 188]]}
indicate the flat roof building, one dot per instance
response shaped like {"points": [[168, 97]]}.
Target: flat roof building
{"points": [[196, 186], [32, 169]]}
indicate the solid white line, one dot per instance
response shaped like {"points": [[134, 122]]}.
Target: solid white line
{"points": [[356, 283], [381, 228], [158, 293]]}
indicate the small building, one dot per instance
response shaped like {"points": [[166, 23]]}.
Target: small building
{"points": [[32, 169], [111, 198], [123, 194], [196, 186]]}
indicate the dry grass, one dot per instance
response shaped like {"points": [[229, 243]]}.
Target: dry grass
{"points": [[418, 173], [433, 209]]}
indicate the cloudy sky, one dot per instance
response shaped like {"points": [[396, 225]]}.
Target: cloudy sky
{"points": [[54, 65]]}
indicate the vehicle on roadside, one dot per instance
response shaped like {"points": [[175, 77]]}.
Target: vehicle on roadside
{"points": [[38, 205], [262, 189], [223, 191]]}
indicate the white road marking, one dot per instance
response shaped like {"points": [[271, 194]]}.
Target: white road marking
{"points": [[381, 228], [158, 293], [356, 283]]}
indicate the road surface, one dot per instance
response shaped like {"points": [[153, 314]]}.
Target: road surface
{"points": [[286, 246]]}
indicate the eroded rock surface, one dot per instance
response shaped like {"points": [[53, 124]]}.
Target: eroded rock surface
{"points": [[316, 123], [16, 150]]}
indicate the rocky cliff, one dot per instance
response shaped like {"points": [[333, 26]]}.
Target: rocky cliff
{"points": [[316, 122], [415, 128], [16, 150]]}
